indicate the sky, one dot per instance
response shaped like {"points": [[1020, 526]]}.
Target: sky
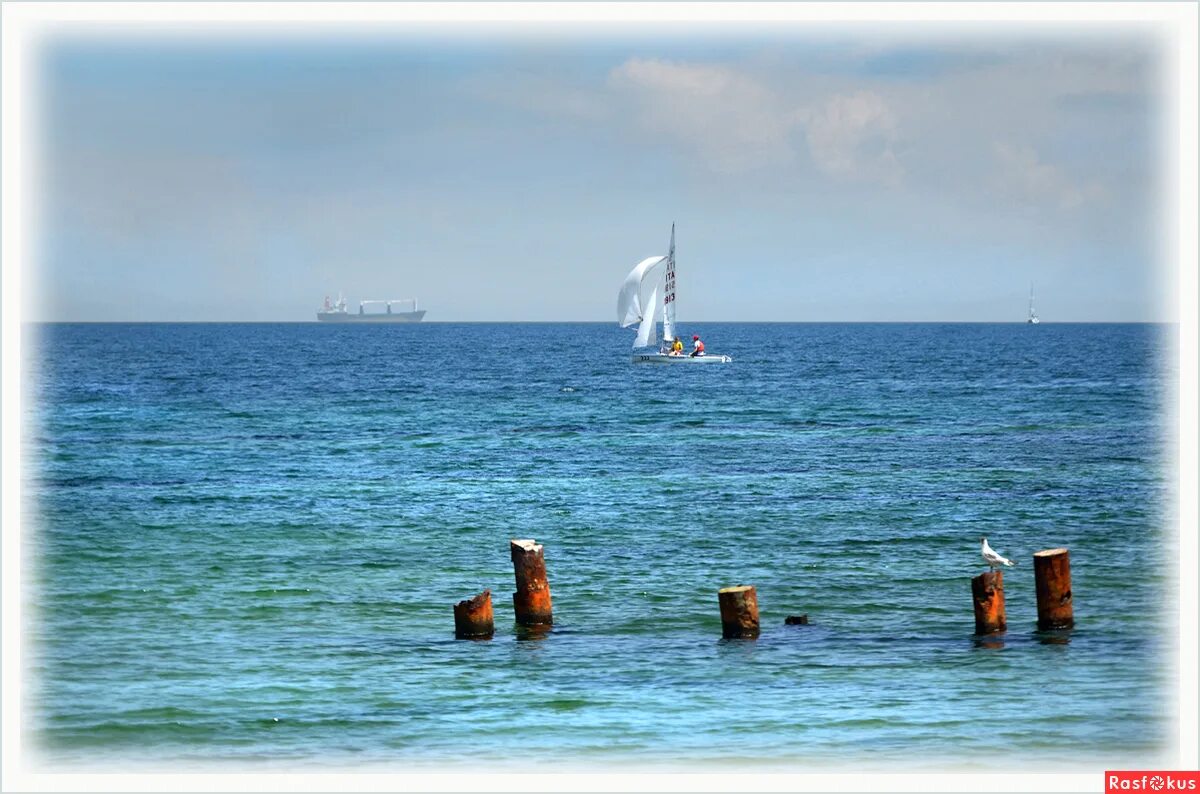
{"points": [[813, 174]]}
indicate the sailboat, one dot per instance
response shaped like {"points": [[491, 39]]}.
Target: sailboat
{"points": [[649, 292], [1033, 318]]}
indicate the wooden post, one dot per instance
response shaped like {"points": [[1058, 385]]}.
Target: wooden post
{"points": [[473, 617], [987, 590], [531, 602], [1052, 577], [739, 612]]}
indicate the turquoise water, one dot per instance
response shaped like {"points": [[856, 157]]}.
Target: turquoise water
{"points": [[247, 541]]}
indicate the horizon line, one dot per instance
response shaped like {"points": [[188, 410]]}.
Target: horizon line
{"points": [[598, 322]]}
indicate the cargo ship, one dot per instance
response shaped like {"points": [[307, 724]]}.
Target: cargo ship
{"points": [[332, 312]]}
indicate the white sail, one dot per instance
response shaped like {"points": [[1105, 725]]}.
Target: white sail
{"points": [[647, 295], [645, 335], [669, 292], [633, 302]]}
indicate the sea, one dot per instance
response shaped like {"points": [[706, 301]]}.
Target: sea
{"points": [[243, 544]]}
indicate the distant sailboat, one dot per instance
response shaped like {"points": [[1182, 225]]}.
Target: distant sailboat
{"points": [[648, 290], [1033, 318]]}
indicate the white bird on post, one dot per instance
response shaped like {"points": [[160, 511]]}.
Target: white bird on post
{"points": [[992, 558]]}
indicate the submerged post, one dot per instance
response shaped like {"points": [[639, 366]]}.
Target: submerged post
{"points": [[987, 590], [473, 617], [1052, 577], [531, 602], [739, 612]]}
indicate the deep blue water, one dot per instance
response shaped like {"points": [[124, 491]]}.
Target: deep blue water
{"points": [[247, 540]]}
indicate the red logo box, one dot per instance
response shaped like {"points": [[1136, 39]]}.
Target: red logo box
{"points": [[1157, 780]]}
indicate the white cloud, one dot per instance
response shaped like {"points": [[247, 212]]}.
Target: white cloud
{"points": [[737, 123], [733, 121], [852, 136], [931, 131], [1025, 176]]}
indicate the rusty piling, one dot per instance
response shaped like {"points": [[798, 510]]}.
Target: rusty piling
{"points": [[739, 612], [531, 602], [987, 591], [473, 617], [1052, 578]]}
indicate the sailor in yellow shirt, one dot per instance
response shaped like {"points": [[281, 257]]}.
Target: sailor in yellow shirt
{"points": [[677, 347]]}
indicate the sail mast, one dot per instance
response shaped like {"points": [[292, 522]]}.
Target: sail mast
{"points": [[669, 292]]}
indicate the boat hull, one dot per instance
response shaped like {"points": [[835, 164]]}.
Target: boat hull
{"points": [[378, 317], [663, 358]]}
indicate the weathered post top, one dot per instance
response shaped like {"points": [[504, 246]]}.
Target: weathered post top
{"points": [[739, 611], [531, 602], [1052, 580], [473, 617], [987, 591]]}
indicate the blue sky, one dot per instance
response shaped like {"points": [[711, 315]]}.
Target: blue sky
{"points": [[844, 175]]}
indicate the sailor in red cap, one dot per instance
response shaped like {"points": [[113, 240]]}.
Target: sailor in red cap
{"points": [[697, 346]]}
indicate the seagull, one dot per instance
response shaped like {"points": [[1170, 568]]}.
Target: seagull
{"points": [[992, 558]]}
